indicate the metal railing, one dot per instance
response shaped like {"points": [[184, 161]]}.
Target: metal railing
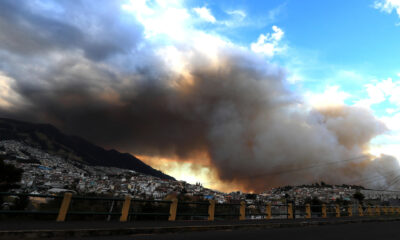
{"points": [[126, 209]]}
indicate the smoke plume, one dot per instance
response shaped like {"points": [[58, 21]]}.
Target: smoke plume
{"points": [[94, 74]]}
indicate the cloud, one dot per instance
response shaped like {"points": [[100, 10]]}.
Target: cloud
{"points": [[380, 91], [67, 29], [205, 14], [236, 19], [294, 78], [8, 97], [332, 96], [384, 94], [237, 12], [268, 44], [274, 13], [388, 6], [169, 18], [388, 143]]}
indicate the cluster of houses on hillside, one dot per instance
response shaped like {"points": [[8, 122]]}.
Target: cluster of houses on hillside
{"points": [[46, 173]]}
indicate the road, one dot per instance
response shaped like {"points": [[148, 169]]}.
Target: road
{"points": [[364, 231]]}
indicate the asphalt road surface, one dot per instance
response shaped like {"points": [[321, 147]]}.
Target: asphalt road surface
{"points": [[364, 231]]}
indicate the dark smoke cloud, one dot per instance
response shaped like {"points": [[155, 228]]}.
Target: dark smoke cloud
{"points": [[84, 72], [37, 27]]}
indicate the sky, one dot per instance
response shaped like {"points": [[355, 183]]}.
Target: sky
{"points": [[139, 76]]}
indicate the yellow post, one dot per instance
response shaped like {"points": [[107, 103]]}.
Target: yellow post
{"points": [[337, 210], [324, 210], [385, 210], [350, 211], [242, 210], [211, 210], [62, 213], [308, 210], [391, 210], [290, 210], [360, 211], [268, 211], [377, 210], [369, 211], [125, 209], [172, 210]]}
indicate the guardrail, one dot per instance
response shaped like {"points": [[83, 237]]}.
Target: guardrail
{"points": [[210, 209]]}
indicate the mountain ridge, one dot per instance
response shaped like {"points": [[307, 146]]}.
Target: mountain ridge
{"points": [[76, 148]]}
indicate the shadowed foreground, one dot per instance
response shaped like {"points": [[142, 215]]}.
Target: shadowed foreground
{"points": [[364, 231], [356, 228]]}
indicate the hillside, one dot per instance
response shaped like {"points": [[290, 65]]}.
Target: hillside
{"points": [[50, 139]]}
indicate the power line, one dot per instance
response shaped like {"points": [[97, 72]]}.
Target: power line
{"points": [[382, 190], [309, 167], [394, 181], [373, 178]]}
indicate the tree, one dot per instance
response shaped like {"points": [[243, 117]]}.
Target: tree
{"points": [[342, 202], [9, 176], [316, 204], [359, 196], [251, 196]]}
